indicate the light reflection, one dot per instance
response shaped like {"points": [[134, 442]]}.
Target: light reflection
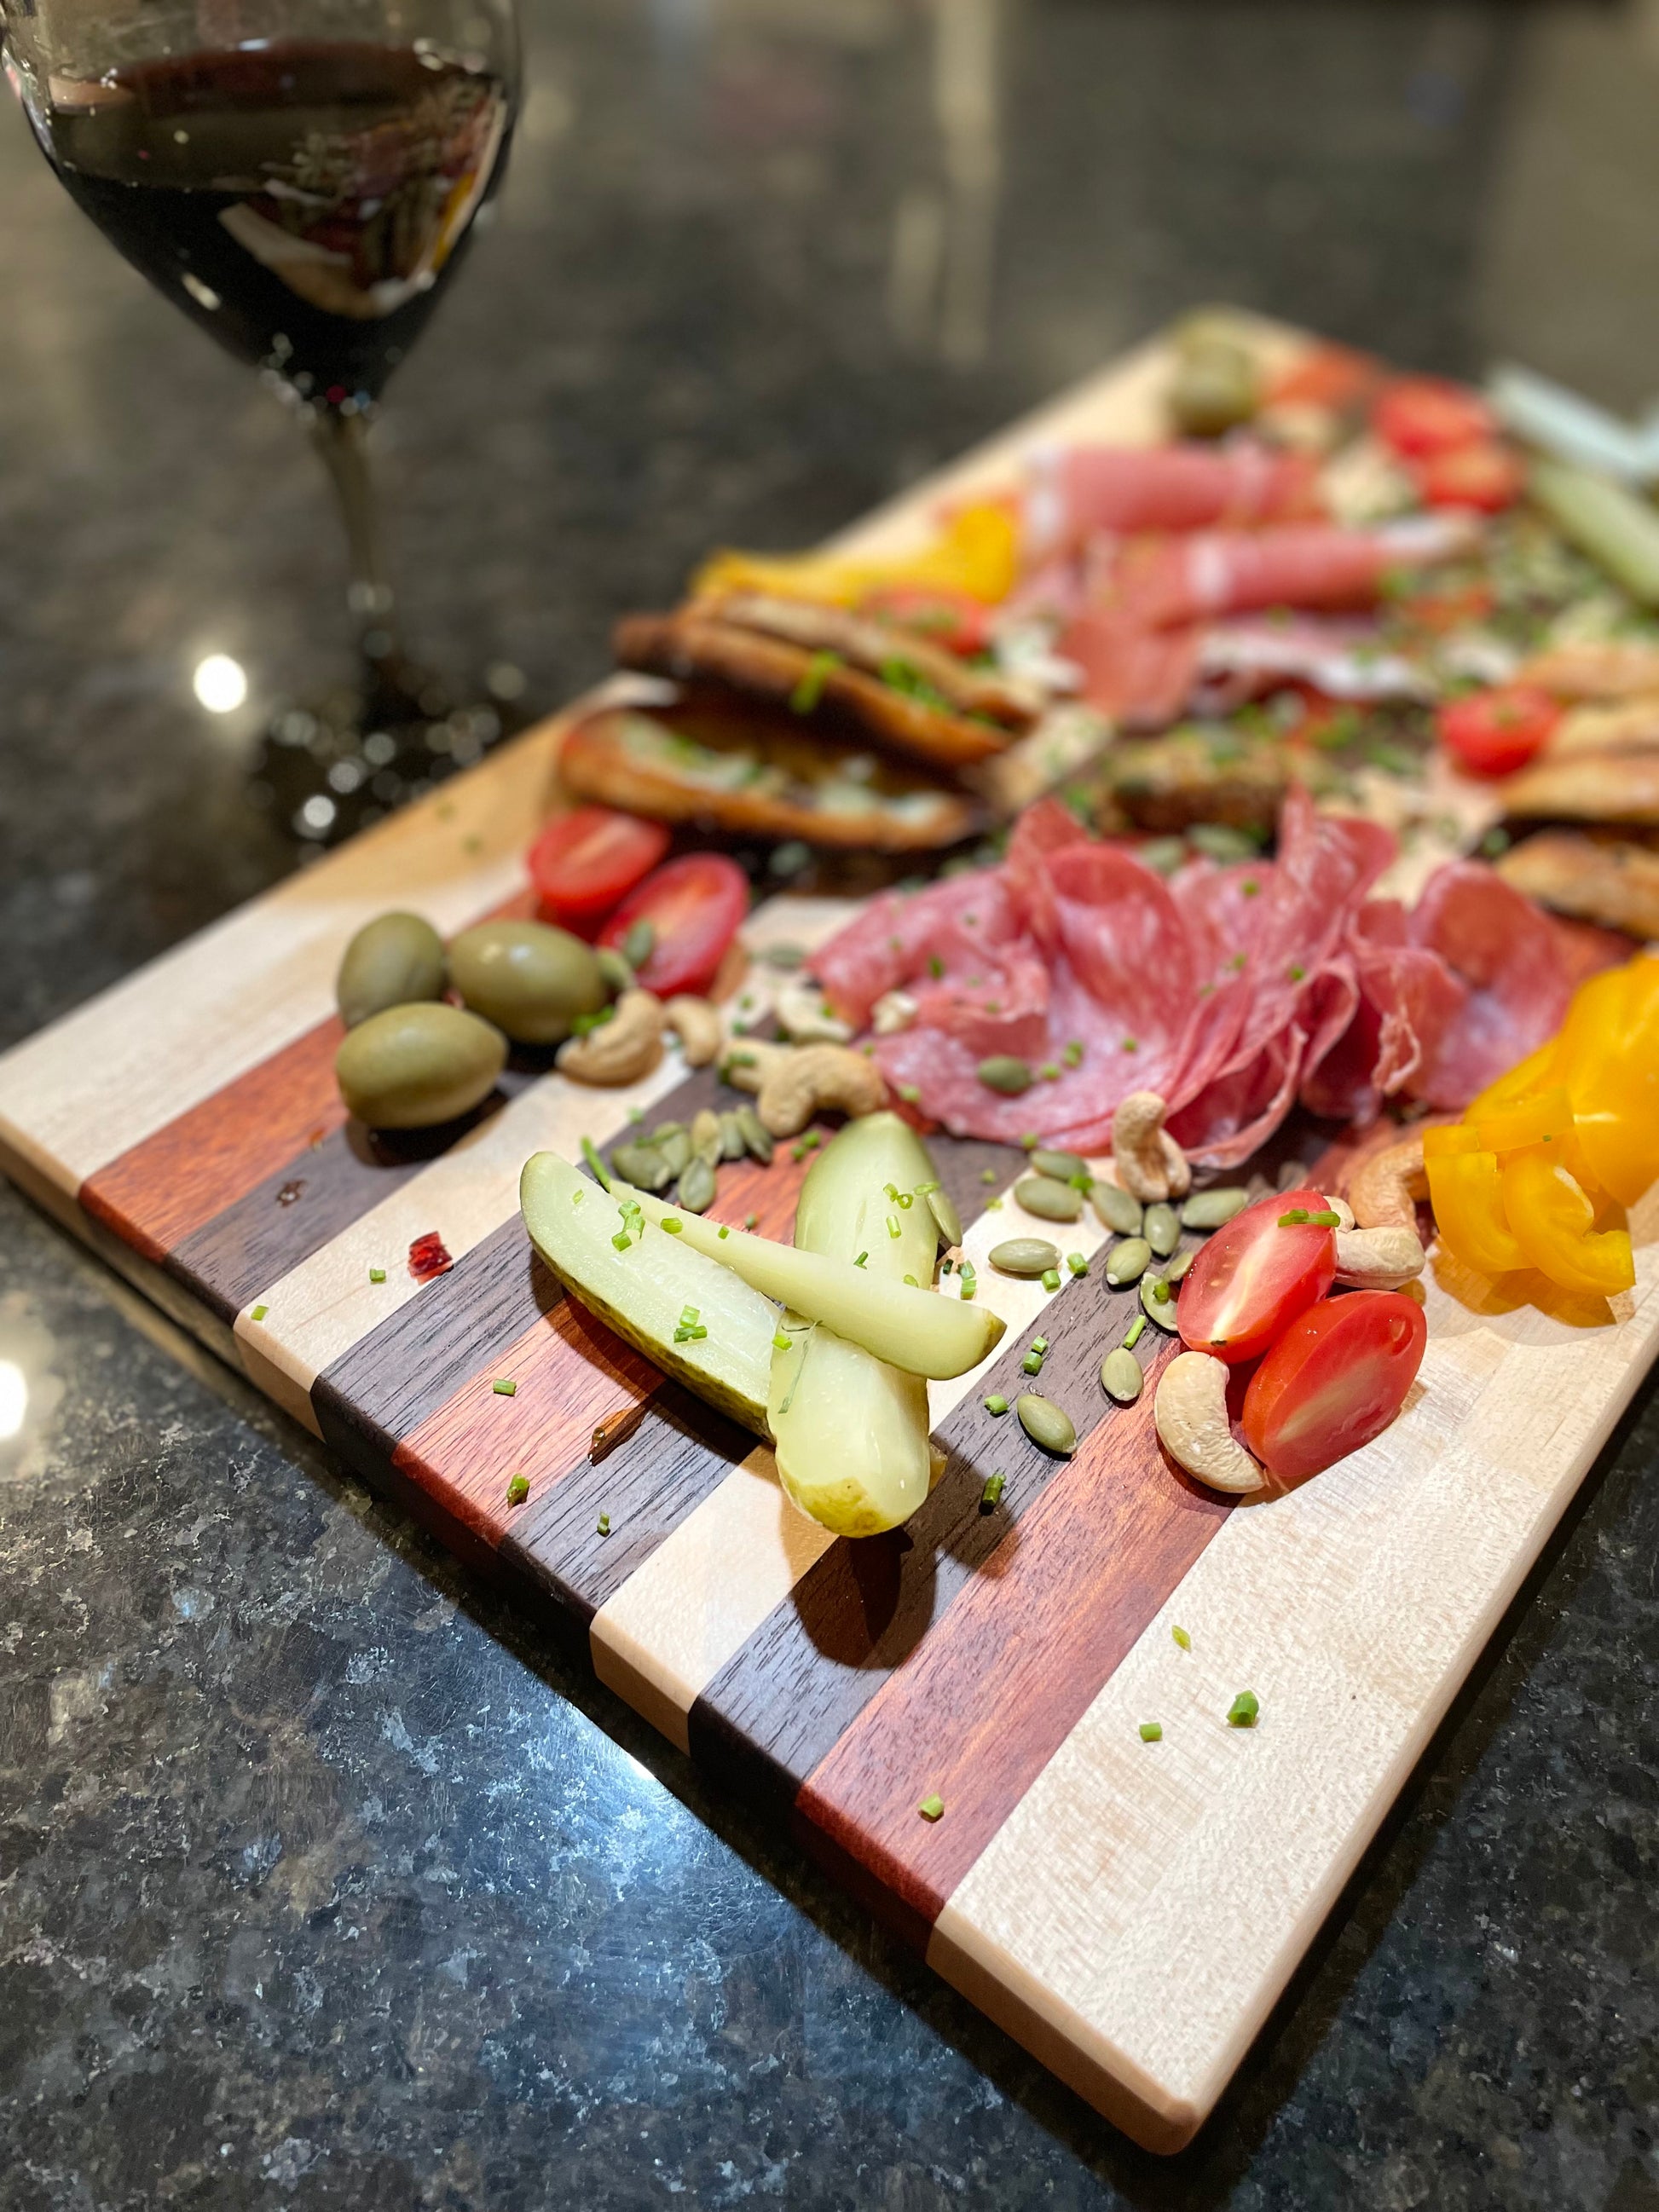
{"points": [[14, 1399], [220, 682]]}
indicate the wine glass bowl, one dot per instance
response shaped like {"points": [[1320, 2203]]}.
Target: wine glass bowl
{"points": [[300, 177]]}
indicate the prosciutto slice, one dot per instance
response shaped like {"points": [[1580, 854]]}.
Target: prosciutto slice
{"points": [[1076, 492], [1234, 991], [1138, 676], [1210, 573]]}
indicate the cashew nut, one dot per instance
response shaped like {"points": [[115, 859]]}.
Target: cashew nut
{"points": [[1151, 1165], [1190, 1415], [805, 1015], [621, 1050], [812, 1077], [1378, 1259], [1343, 1210], [698, 1026], [749, 1061], [1385, 1190], [892, 1012]]}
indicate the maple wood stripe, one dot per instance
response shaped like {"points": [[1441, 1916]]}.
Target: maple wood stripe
{"points": [[777, 1708]]}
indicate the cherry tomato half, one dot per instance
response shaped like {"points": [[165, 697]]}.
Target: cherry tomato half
{"points": [[1422, 414], [693, 907], [1495, 732], [583, 862], [1255, 1275], [1484, 475], [1334, 1380]]}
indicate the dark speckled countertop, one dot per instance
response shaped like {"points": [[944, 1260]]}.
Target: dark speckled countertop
{"points": [[323, 1880]]}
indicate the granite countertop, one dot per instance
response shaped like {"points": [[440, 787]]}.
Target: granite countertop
{"points": [[324, 1880]]}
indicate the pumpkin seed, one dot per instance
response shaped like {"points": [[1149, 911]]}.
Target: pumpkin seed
{"points": [[1116, 1208], [643, 1165], [676, 1149], [412, 1066], [1120, 1377], [1160, 1311], [1025, 1255], [396, 960], [618, 976], [1046, 1423], [1049, 1200], [1213, 1209], [1178, 1266], [1003, 1073], [666, 1129], [733, 1146], [1162, 1229], [706, 1136], [696, 1192], [1128, 1262], [756, 1134], [1062, 1166], [943, 1207]]}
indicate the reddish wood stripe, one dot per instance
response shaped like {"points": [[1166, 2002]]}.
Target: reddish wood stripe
{"points": [[154, 1196], [979, 1710]]}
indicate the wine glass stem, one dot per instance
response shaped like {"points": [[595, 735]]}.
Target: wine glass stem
{"points": [[343, 441]]}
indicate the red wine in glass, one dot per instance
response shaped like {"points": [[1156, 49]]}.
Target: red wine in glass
{"points": [[307, 200]]}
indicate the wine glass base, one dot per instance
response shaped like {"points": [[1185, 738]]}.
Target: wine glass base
{"points": [[336, 763]]}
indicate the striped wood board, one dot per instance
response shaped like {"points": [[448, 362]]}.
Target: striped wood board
{"points": [[1129, 1912]]}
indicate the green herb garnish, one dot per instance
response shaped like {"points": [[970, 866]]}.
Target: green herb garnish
{"points": [[517, 1489], [259, 1313], [1051, 1278], [1181, 1639], [1152, 1731], [1135, 1327], [1076, 1263], [601, 1175], [1296, 1218], [996, 1403], [1241, 1713], [377, 1274], [994, 1488], [505, 1387], [604, 1524], [814, 678], [931, 1808]]}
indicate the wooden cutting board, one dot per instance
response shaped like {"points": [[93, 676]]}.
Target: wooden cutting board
{"points": [[1130, 1911]]}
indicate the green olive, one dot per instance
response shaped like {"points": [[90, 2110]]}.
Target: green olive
{"points": [[395, 960], [528, 978], [410, 1067], [1215, 387]]}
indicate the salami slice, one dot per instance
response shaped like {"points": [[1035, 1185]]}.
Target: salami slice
{"points": [[1075, 492]]}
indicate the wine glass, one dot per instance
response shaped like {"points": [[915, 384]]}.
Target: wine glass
{"points": [[300, 177]]}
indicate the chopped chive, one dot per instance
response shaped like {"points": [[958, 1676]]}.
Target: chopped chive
{"points": [[1050, 1071], [931, 1808], [860, 1262], [1130, 1044], [1039, 1344], [1082, 1180], [1030, 1141], [636, 1113], [505, 1387], [689, 1315], [601, 1175], [908, 1093], [377, 1274], [988, 1175], [889, 1190], [1072, 1054], [1297, 971], [967, 1286], [1328, 1219], [1181, 1639], [1160, 1292], [1051, 1278], [893, 1229], [994, 1206], [994, 1488], [576, 1195], [935, 966], [1076, 1263], [927, 1189], [673, 1225], [1135, 1329], [814, 678], [751, 1220], [259, 1313], [622, 1240], [1296, 1218], [904, 1202], [517, 1489], [996, 1403], [1244, 1710], [699, 1331], [1152, 1731], [1250, 887], [1032, 1363], [604, 1524], [912, 1281], [723, 1230], [945, 1267], [779, 1341]]}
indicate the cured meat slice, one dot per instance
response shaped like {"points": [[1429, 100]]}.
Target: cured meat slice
{"points": [[1133, 672], [1074, 492], [928, 933], [1188, 580], [1334, 654]]}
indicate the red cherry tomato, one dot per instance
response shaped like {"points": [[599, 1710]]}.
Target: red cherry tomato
{"points": [[1334, 1380], [1484, 475], [693, 907], [1495, 732], [583, 862], [1254, 1276], [954, 620], [1422, 414]]}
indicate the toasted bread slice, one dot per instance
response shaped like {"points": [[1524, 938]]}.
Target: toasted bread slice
{"points": [[1624, 726], [1169, 783], [758, 775], [878, 649], [1605, 880], [1613, 669], [828, 694], [1586, 787]]}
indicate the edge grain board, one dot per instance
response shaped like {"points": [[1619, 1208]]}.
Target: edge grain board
{"points": [[1077, 1887]]}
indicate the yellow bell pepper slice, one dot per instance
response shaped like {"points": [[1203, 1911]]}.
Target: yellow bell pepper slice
{"points": [[1466, 1191], [1610, 1062], [1442, 1140], [1546, 1115], [1553, 1221], [976, 552], [1536, 1072]]}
